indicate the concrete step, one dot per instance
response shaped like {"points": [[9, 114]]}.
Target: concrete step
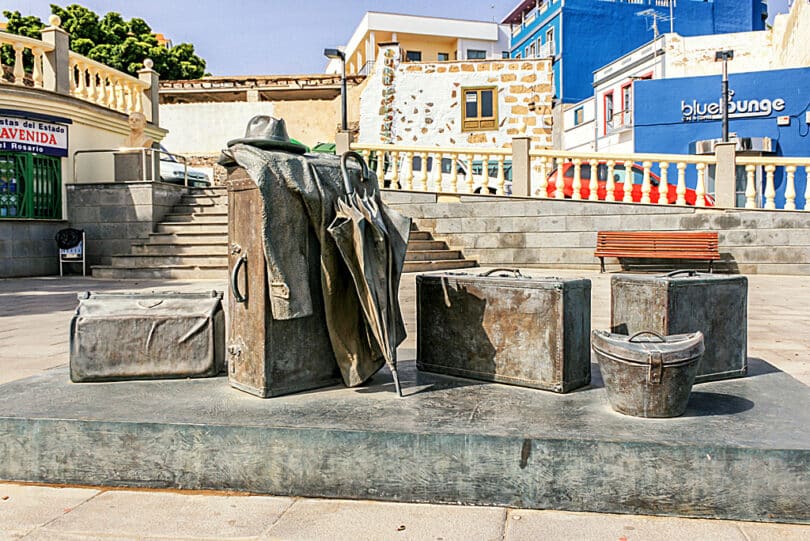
{"points": [[204, 217], [427, 266], [219, 226], [200, 208], [433, 255], [420, 235], [180, 248], [186, 260], [122, 273], [419, 245], [188, 237]]}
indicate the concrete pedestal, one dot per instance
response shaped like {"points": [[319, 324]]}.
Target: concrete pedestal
{"points": [[741, 451]]}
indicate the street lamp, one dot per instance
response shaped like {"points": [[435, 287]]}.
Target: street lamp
{"points": [[724, 56], [337, 53]]}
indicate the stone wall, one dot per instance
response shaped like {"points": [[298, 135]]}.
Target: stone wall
{"points": [[114, 215], [562, 234], [419, 104], [28, 247]]}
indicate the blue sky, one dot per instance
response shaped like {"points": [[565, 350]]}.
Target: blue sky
{"points": [[252, 37]]}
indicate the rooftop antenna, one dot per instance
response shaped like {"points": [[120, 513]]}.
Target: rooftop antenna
{"points": [[655, 18]]}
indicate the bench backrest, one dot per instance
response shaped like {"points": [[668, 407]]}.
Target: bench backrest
{"points": [[703, 244]]}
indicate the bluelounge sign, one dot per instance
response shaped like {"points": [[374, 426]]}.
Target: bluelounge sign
{"points": [[36, 136], [694, 111]]}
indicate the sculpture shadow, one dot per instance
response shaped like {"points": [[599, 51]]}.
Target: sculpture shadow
{"points": [[705, 404]]}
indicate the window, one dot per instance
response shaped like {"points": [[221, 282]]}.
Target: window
{"points": [[517, 56], [504, 54], [608, 111], [480, 111], [444, 57], [579, 116], [476, 54], [532, 51], [627, 104], [550, 42], [413, 56]]}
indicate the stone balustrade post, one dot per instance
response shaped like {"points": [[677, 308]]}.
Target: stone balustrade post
{"points": [[343, 139], [149, 96], [56, 73], [725, 175], [521, 166]]}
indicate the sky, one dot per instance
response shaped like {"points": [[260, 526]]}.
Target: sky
{"points": [[263, 37]]}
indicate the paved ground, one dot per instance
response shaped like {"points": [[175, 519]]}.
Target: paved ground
{"points": [[34, 316]]}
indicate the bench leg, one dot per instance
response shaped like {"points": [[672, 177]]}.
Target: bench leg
{"points": [[601, 264], [710, 266]]}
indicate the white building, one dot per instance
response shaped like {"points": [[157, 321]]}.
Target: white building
{"points": [[422, 39]]}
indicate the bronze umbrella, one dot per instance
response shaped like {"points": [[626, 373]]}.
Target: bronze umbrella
{"points": [[372, 240]]}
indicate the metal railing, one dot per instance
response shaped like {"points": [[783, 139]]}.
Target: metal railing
{"points": [[30, 186], [149, 162]]}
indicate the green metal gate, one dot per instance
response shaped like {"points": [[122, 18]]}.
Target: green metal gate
{"points": [[30, 186]]}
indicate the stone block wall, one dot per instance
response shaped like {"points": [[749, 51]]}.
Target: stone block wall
{"points": [[28, 247], [420, 103], [113, 215], [562, 234]]}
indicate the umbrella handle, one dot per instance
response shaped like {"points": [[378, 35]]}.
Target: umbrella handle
{"points": [[343, 159]]}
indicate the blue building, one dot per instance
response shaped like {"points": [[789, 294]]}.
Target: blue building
{"points": [[672, 115], [583, 35]]}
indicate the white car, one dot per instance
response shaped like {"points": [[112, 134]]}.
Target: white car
{"points": [[479, 185], [173, 171]]}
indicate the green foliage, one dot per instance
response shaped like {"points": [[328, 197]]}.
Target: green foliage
{"points": [[111, 40]]}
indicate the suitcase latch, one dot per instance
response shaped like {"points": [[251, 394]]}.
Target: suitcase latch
{"points": [[235, 351], [236, 249], [656, 367]]}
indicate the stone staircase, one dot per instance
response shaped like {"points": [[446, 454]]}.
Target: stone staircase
{"points": [[192, 242]]}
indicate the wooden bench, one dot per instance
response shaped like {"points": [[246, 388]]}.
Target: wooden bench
{"points": [[657, 244]]}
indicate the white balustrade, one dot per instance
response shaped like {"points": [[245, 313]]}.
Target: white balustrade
{"points": [[565, 170], [576, 186], [770, 191], [100, 84], [646, 186], [663, 184], [610, 185], [627, 188], [19, 44], [790, 188], [700, 186], [750, 187], [593, 185], [680, 191]]}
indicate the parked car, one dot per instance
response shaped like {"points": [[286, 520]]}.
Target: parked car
{"points": [[488, 185], [619, 175], [173, 171]]}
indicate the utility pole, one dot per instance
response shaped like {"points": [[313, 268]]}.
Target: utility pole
{"points": [[724, 56]]}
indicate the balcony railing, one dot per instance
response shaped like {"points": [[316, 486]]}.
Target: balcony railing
{"points": [[22, 45], [660, 179], [88, 80]]}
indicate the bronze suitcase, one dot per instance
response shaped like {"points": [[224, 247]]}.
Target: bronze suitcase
{"points": [[269, 357], [135, 335], [684, 302], [532, 332]]}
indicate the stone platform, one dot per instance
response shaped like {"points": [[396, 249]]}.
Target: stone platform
{"points": [[742, 450]]}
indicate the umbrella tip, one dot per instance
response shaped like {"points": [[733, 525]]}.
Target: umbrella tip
{"points": [[396, 382]]}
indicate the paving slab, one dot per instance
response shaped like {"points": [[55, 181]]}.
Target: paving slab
{"points": [[143, 515], [25, 508], [527, 525], [342, 520]]}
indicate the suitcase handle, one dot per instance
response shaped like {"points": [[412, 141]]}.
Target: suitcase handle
{"points": [[639, 333], [237, 295], [515, 272], [688, 272]]}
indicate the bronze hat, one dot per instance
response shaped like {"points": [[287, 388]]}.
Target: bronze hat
{"points": [[268, 133]]}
